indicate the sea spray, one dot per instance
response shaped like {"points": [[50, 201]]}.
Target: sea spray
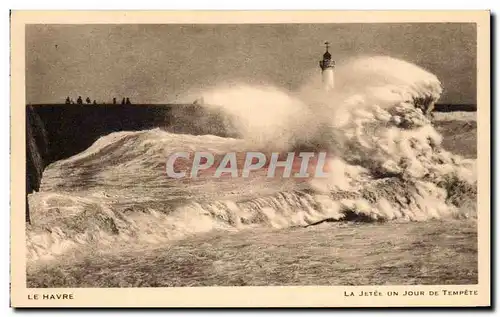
{"points": [[386, 159]]}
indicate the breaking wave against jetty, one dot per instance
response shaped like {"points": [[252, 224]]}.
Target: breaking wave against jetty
{"points": [[387, 165]]}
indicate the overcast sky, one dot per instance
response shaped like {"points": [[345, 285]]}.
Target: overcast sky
{"points": [[155, 63]]}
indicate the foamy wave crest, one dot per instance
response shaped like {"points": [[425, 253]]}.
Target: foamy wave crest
{"points": [[386, 159]]}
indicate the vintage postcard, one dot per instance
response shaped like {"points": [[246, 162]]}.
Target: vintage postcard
{"points": [[250, 159]]}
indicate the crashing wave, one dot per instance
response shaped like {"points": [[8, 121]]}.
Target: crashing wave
{"points": [[386, 159]]}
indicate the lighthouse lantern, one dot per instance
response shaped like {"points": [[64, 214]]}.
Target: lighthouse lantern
{"points": [[327, 65]]}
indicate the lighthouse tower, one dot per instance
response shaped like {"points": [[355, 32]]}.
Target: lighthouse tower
{"points": [[327, 65]]}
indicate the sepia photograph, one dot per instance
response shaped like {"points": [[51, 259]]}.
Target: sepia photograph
{"points": [[291, 154]]}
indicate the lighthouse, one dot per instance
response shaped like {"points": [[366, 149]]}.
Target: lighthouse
{"points": [[327, 65]]}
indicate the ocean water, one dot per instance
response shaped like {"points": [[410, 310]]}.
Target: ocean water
{"points": [[385, 160]]}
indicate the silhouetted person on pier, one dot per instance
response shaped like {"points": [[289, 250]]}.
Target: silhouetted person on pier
{"points": [[128, 101], [114, 101], [79, 100], [199, 101], [123, 101], [95, 103], [67, 101], [88, 100]]}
